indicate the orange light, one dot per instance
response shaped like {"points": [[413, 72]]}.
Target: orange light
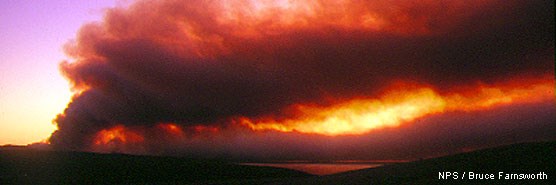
{"points": [[117, 134], [358, 116], [171, 128], [487, 96], [400, 106], [259, 18], [256, 20], [203, 129]]}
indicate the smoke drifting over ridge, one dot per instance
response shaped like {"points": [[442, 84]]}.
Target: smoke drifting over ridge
{"points": [[200, 66]]}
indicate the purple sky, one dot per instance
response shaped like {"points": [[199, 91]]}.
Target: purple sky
{"points": [[32, 91]]}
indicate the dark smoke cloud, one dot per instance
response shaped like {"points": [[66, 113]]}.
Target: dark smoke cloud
{"points": [[182, 62]]}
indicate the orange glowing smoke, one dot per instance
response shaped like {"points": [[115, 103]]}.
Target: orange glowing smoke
{"points": [[204, 129], [176, 130], [117, 134], [131, 139], [359, 115], [400, 106], [512, 92], [248, 19], [266, 17], [171, 129]]}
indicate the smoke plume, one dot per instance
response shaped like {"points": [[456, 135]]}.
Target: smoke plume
{"points": [[203, 66]]}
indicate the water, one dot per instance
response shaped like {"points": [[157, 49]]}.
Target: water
{"points": [[319, 168]]}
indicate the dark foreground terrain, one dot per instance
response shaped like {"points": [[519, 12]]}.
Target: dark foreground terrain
{"points": [[527, 158], [27, 166]]}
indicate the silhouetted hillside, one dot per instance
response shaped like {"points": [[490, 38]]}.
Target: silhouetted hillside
{"points": [[27, 166], [527, 158]]}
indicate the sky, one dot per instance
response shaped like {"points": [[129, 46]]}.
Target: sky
{"points": [[303, 80], [32, 90]]}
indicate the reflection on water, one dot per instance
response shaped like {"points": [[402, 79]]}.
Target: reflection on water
{"points": [[319, 168]]}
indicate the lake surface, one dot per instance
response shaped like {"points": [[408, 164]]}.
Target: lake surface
{"points": [[319, 168]]}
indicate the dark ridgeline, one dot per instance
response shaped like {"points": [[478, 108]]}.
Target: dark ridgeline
{"points": [[528, 158], [28, 166]]}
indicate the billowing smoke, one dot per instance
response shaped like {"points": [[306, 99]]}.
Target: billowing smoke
{"points": [[201, 65]]}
